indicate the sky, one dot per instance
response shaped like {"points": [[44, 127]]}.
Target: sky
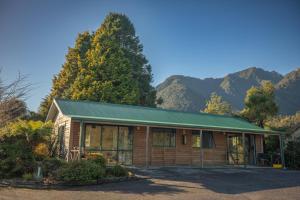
{"points": [[201, 38]]}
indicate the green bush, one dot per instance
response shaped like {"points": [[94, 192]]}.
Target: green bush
{"points": [[117, 171], [98, 159], [51, 165], [27, 176], [16, 159], [292, 154], [81, 171]]}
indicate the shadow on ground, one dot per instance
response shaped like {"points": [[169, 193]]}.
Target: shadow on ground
{"points": [[229, 181], [171, 181]]}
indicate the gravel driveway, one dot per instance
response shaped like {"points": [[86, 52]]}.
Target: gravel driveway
{"points": [[181, 183]]}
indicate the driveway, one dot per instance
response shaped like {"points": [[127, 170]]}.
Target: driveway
{"points": [[181, 183]]}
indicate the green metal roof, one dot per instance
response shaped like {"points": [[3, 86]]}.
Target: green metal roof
{"points": [[127, 114]]}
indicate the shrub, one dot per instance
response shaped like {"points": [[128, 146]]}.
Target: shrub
{"points": [[117, 171], [16, 158], [51, 165], [81, 171], [41, 150], [27, 176], [97, 158]]}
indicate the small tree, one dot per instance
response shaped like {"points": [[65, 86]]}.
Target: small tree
{"points": [[12, 105], [217, 105], [23, 142], [260, 103]]}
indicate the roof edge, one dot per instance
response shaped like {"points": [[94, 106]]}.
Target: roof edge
{"points": [[139, 122]]}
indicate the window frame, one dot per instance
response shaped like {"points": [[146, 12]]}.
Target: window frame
{"points": [[168, 131], [196, 133], [116, 150]]}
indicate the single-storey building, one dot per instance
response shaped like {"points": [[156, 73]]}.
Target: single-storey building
{"points": [[143, 136]]}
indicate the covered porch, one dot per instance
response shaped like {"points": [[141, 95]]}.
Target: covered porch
{"points": [[146, 146]]}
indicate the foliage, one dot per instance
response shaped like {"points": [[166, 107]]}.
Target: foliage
{"points": [[292, 153], [81, 171], [21, 143], [272, 144], [260, 103], [216, 105], [16, 158], [12, 105], [51, 165], [31, 115], [41, 150], [27, 176], [107, 65], [287, 123], [96, 158], [33, 132], [117, 171]]}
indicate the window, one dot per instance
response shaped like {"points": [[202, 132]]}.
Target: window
{"points": [[196, 139], [207, 139], [125, 139], [109, 137], [163, 137], [93, 136], [113, 142]]}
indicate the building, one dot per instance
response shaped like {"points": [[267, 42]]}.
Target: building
{"points": [[142, 136]]}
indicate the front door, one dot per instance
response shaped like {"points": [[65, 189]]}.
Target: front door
{"points": [[236, 153]]}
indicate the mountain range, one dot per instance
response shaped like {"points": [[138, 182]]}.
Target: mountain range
{"points": [[190, 94]]}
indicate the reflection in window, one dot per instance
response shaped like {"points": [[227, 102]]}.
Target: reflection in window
{"points": [[113, 142], [92, 136], [109, 137], [163, 137], [125, 139], [207, 139]]}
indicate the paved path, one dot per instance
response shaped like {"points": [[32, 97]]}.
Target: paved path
{"points": [[178, 183]]}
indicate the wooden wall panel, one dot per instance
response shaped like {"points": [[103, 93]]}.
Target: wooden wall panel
{"points": [[62, 120], [139, 144]]}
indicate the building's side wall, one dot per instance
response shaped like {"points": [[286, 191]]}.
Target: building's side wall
{"points": [[62, 120]]}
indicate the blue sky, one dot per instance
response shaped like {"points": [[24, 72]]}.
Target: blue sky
{"points": [[194, 38]]}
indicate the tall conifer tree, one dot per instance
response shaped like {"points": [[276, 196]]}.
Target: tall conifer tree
{"points": [[107, 66]]}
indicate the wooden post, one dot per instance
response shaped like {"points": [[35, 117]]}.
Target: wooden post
{"points": [[147, 146], [201, 148], [281, 140], [80, 138], [244, 150]]}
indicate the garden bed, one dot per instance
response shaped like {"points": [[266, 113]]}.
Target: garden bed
{"points": [[44, 184]]}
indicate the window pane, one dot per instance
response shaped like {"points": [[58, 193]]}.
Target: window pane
{"points": [[92, 136], [125, 157], [207, 139], [109, 137], [125, 139], [164, 137], [196, 141], [172, 139], [111, 157]]}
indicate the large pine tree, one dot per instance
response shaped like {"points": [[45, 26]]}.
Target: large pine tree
{"points": [[107, 66]]}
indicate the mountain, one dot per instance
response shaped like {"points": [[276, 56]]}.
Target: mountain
{"points": [[190, 94], [288, 93]]}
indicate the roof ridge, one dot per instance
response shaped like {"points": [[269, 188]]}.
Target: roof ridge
{"points": [[150, 108]]}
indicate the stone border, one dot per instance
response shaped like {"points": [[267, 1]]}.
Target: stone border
{"points": [[62, 185]]}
